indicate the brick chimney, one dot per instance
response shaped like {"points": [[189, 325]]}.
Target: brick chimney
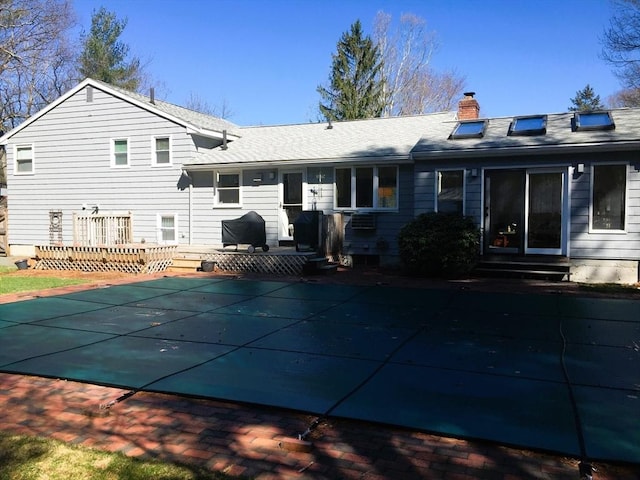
{"points": [[468, 107]]}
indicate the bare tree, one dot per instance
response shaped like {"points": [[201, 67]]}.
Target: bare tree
{"points": [[198, 104], [36, 60], [625, 98], [621, 48], [411, 85]]}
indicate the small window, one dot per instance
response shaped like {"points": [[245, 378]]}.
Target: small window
{"points": [[536, 125], [228, 189], [120, 153], [473, 129], [343, 187], [450, 192], [162, 146], [387, 187], [167, 229], [23, 159], [593, 121], [608, 197]]}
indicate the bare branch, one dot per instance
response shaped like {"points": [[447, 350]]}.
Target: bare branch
{"points": [[35, 56], [621, 42], [411, 86]]}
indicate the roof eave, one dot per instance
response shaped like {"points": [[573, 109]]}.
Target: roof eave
{"points": [[402, 159], [204, 132], [529, 150], [106, 88]]}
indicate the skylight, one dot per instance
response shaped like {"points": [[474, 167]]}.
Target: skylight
{"points": [[593, 121], [472, 129], [534, 125]]}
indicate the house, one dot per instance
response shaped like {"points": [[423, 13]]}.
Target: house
{"points": [[174, 174], [559, 185]]}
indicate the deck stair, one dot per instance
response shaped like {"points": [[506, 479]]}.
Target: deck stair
{"points": [[531, 267], [319, 266]]}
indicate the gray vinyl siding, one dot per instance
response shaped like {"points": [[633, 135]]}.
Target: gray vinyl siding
{"points": [[605, 245], [425, 189], [261, 198], [388, 223], [582, 242], [72, 160]]}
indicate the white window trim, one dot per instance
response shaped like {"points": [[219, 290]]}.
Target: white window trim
{"points": [[160, 229], [626, 199], [113, 152], [375, 185], [154, 151], [464, 187], [15, 159], [216, 203]]}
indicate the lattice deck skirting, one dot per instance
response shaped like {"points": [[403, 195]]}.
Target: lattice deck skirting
{"points": [[124, 258], [259, 262]]}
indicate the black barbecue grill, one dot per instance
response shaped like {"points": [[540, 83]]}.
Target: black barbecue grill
{"points": [[248, 229]]}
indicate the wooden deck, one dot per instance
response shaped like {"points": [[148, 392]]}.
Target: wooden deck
{"points": [[147, 258], [131, 258], [277, 261]]}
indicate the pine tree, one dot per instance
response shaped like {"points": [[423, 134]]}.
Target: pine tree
{"points": [[586, 100], [355, 90], [104, 56]]}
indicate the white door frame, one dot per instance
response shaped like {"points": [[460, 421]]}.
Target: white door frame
{"points": [[562, 250], [284, 233]]}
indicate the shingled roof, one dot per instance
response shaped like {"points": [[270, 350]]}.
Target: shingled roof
{"points": [[196, 122], [378, 139], [559, 137], [197, 119]]}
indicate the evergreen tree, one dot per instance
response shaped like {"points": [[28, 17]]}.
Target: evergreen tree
{"points": [[586, 100], [355, 90], [105, 57]]}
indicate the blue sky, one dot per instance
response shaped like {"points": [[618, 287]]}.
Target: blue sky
{"points": [[266, 58]]}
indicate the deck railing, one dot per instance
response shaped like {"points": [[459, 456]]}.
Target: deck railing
{"points": [[102, 229]]}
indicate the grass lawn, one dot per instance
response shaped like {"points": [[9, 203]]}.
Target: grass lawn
{"points": [[33, 458], [14, 283]]}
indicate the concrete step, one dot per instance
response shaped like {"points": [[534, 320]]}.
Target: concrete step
{"points": [[522, 273]]}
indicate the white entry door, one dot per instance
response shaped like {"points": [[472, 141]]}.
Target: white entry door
{"points": [[291, 201]]}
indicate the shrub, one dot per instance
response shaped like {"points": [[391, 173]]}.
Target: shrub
{"points": [[439, 245]]}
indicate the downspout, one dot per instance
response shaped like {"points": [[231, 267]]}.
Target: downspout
{"points": [[190, 212]]}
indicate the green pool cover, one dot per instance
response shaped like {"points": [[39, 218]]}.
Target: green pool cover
{"points": [[538, 371]]}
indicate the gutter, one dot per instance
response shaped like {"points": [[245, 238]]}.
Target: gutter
{"points": [[396, 160], [630, 145]]}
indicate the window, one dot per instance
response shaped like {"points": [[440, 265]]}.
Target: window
{"points": [[343, 188], [367, 187], [167, 229], [608, 197], [450, 192], [228, 189], [592, 121], [364, 187], [535, 125], [162, 150], [23, 159], [472, 129], [387, 187], [120, 156]]}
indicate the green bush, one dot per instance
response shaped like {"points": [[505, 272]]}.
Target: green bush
{"points": [[439, 245]]}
